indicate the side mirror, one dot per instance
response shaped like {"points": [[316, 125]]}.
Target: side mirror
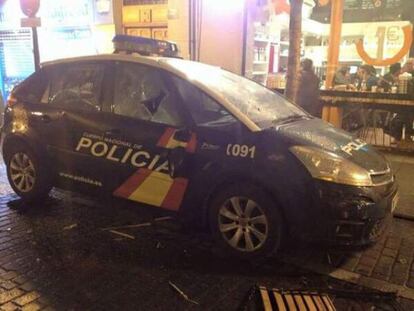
{"points": [[176, 162]]}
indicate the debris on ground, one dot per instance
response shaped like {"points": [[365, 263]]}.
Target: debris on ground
{"points": [[4, 230], [402, 261], [163, 218], [329, 259], [182, 294], [145, 224], [70, 227], [122, 234]]}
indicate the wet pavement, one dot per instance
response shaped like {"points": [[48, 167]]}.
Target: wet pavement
{"points": [[75, 253], [403, 166]]}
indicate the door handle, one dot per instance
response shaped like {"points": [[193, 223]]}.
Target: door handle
{"points": [[46, 117], [113, 132]]}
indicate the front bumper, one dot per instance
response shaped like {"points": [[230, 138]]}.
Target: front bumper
{"points": [[353, 215]]}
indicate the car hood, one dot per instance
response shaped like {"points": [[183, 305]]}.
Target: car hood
{"points": [[317, 133]]}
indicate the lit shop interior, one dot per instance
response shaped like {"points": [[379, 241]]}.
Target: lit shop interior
{"points": [[69, 28], [249, 37]]}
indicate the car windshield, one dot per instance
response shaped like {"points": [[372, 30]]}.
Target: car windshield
{"points": [[264, 107]]}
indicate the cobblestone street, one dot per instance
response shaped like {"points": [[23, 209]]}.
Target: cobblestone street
{"points": [[68, 254]]}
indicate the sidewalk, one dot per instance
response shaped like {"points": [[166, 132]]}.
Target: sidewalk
{"points": [[389, 264], [403, 167], [386, 266]]}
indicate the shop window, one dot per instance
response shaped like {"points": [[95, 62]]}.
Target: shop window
{"points": [[77, 86], [204, 110], [32, 89], [140, 93]]}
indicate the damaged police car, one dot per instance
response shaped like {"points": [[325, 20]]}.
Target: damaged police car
{"points": [[219, 149]]}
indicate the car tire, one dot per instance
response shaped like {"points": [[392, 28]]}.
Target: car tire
{"points": [[245, 222], [26, 174]]}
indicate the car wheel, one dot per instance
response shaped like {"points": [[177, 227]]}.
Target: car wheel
{"points": [[26, 176], [245, 222]]}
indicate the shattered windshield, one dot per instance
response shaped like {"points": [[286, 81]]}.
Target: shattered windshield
{"points": [[264, 107]]}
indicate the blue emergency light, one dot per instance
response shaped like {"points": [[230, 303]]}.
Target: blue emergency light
{"points": [[144, 46]]}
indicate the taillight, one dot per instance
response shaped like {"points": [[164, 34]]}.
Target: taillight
{"points": [[11, 100]]}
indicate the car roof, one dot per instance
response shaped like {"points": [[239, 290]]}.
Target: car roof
{"points": [[154, 61], [161, 62]]}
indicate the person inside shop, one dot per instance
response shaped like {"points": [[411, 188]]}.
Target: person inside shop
{"points": [[391, 78], [369, 78], [408, 67], [356, 78], [407, 119], [308, 93], [342, 79]]}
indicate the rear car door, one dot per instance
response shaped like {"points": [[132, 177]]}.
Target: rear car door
{"points": [[147, 124], [70, 107]]}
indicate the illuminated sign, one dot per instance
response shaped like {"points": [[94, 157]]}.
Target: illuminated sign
{"points": [[30, 7], [391, 34]]}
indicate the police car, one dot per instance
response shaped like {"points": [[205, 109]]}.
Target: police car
{"points": [[220, 150]]}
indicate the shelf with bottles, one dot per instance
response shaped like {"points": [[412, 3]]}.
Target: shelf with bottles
{"points": [[261, 40], [260, 62], [259, 73], [258, 66]]}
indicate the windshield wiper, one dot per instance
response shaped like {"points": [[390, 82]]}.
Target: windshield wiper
{"points": [[290, 119]]}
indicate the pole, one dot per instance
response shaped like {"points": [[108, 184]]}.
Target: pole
{"points": [[36, 49], [117, 16], [244, 43], [295, 34], [334, 114]]}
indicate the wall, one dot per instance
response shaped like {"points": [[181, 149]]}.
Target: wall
{"points": [[178, 25], [221, 40]]}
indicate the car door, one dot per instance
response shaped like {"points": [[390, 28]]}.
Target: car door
{"points": [[70, 110], [225, 147], [147, 125]]}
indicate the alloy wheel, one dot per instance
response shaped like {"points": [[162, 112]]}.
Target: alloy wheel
{"points": [[243, 224], [22, 172]]}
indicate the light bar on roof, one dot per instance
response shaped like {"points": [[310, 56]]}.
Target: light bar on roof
{"points": [[144, 46]]}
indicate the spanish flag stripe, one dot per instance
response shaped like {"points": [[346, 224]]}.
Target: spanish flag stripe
{"points": [[132, 183], [153, 190], [191, 146], [174, 197], [165, 138]]}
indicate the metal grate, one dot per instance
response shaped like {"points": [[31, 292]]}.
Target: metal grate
{"points": [[380, 127], [275, 299]]}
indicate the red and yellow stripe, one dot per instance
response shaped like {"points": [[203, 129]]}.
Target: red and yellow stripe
{"points": [[154, 188], [167, 141]]}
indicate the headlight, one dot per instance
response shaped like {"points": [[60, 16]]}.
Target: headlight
{"points": [[328, 166]]}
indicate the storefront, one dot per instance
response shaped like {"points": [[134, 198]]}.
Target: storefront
{"points": [[251, 37], [145, 18], [69, 28]]}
